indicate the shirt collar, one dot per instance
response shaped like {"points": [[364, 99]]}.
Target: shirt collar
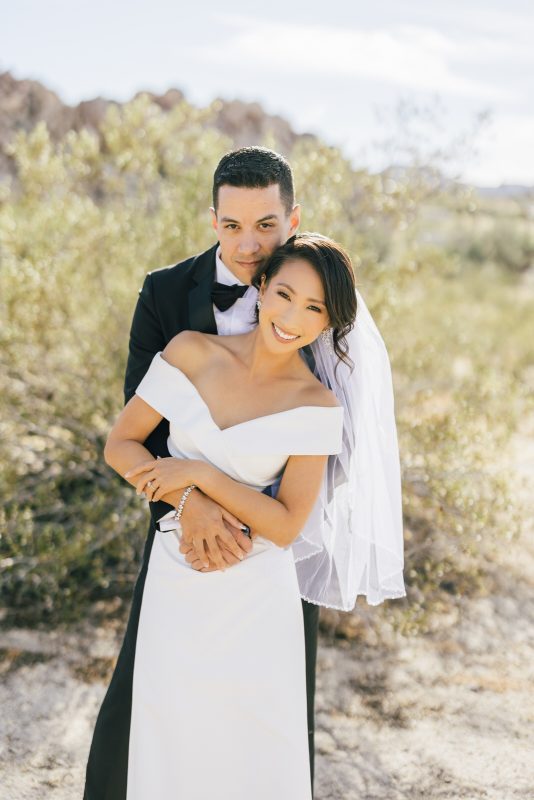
{"points": [[223, 274]]}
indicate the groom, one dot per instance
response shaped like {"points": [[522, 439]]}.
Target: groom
{"points": [[253, 212]]}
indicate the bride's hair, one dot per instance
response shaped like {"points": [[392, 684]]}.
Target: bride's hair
{"points": [[335, 269]]}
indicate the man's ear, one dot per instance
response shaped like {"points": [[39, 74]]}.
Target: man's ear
{"points": [[294, 220], [213, 215]]}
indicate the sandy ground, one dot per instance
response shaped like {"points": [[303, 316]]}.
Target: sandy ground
{"points": [[447, 715]]}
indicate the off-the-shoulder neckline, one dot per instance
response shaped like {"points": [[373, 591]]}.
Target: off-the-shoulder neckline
{"points": [[246, 421]]}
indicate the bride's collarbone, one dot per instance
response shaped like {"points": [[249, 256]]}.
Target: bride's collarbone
{"points": [[233, 397], [233, 400]]}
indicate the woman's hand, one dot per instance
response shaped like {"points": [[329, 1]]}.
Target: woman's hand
{"points": [[157, 478]]}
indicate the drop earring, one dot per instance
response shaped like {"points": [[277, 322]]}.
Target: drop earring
{"points": [[328, 340], [258, 303]]}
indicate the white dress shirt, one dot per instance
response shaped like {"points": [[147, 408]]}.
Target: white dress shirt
{"points": [[239, 318]]}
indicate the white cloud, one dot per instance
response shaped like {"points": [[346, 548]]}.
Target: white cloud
{"points": [[409, 56], [512, 24]]}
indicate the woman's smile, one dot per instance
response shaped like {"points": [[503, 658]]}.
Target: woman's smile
{"points": [[282, 335]]}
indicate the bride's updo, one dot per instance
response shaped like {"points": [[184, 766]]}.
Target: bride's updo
{"points": [[334, 267]]}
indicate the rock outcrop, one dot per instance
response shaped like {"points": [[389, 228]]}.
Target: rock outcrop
{"points": [[24, 103]]}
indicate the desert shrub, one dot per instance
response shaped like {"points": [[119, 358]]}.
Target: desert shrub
{"points": [[83, 223], [507, 243], [461, 369], [80, 226], [514, 246], [480, 233]]}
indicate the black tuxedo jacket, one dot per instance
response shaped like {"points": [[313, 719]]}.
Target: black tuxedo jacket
{"points": [[172, 299]]}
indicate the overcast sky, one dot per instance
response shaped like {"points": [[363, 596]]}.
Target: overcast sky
{"points": [[339, 69]]}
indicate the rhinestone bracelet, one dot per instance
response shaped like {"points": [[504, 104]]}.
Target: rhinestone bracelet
{"points": [[181, 504]]}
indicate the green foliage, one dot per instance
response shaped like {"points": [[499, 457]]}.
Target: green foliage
{"points": [[462, 343], [500, 232], [78, 231], [87, 218]]}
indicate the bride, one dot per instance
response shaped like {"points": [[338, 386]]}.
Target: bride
{"points": [[245, 412]]}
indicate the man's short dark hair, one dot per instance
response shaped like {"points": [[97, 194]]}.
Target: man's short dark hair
{"points": [[255, 168]]}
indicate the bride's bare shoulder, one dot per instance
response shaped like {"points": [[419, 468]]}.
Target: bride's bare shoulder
{"points": [[188, 350], [314, 393]]}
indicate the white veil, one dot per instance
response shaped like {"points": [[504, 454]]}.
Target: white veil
{"points": [[352, 543]]}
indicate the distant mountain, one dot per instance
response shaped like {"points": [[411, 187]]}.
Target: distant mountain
{"points": [[430, 177], [506, 190], [24, 103]]}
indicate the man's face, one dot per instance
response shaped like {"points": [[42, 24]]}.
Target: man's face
{"points": [[250, 224]]}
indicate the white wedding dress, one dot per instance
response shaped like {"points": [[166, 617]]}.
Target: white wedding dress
{"points": [[219, 688]]}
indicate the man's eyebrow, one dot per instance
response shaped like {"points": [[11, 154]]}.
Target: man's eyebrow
{"points": [[263, 219], [311, 299], [269, 216]]}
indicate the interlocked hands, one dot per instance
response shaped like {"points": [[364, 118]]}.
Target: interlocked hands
{"points": [[212, 538]]}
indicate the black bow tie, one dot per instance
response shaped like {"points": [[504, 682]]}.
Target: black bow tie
{"points": [[225, 296]]}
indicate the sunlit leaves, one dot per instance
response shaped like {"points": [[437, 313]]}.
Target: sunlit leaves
{"points": [[85, 219]]}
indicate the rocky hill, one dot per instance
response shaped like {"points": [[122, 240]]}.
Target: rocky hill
{"points": [[24, 103]]}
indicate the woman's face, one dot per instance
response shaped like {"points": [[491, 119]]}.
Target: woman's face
{"points": [[293, 311]]}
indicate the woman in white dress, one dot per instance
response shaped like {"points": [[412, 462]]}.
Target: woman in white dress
{"points": [[219, 696]]}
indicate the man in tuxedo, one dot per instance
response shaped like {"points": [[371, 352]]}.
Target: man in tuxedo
{"points": [[253, 212]]}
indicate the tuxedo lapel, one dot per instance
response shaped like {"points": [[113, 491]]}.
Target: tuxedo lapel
{"points": [[200, 306]]}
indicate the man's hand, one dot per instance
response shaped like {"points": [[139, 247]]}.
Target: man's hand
{"points": [[191, 557], [212, 538]]}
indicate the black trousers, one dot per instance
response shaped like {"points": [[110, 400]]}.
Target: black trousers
{"points": [[107, 766]]}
